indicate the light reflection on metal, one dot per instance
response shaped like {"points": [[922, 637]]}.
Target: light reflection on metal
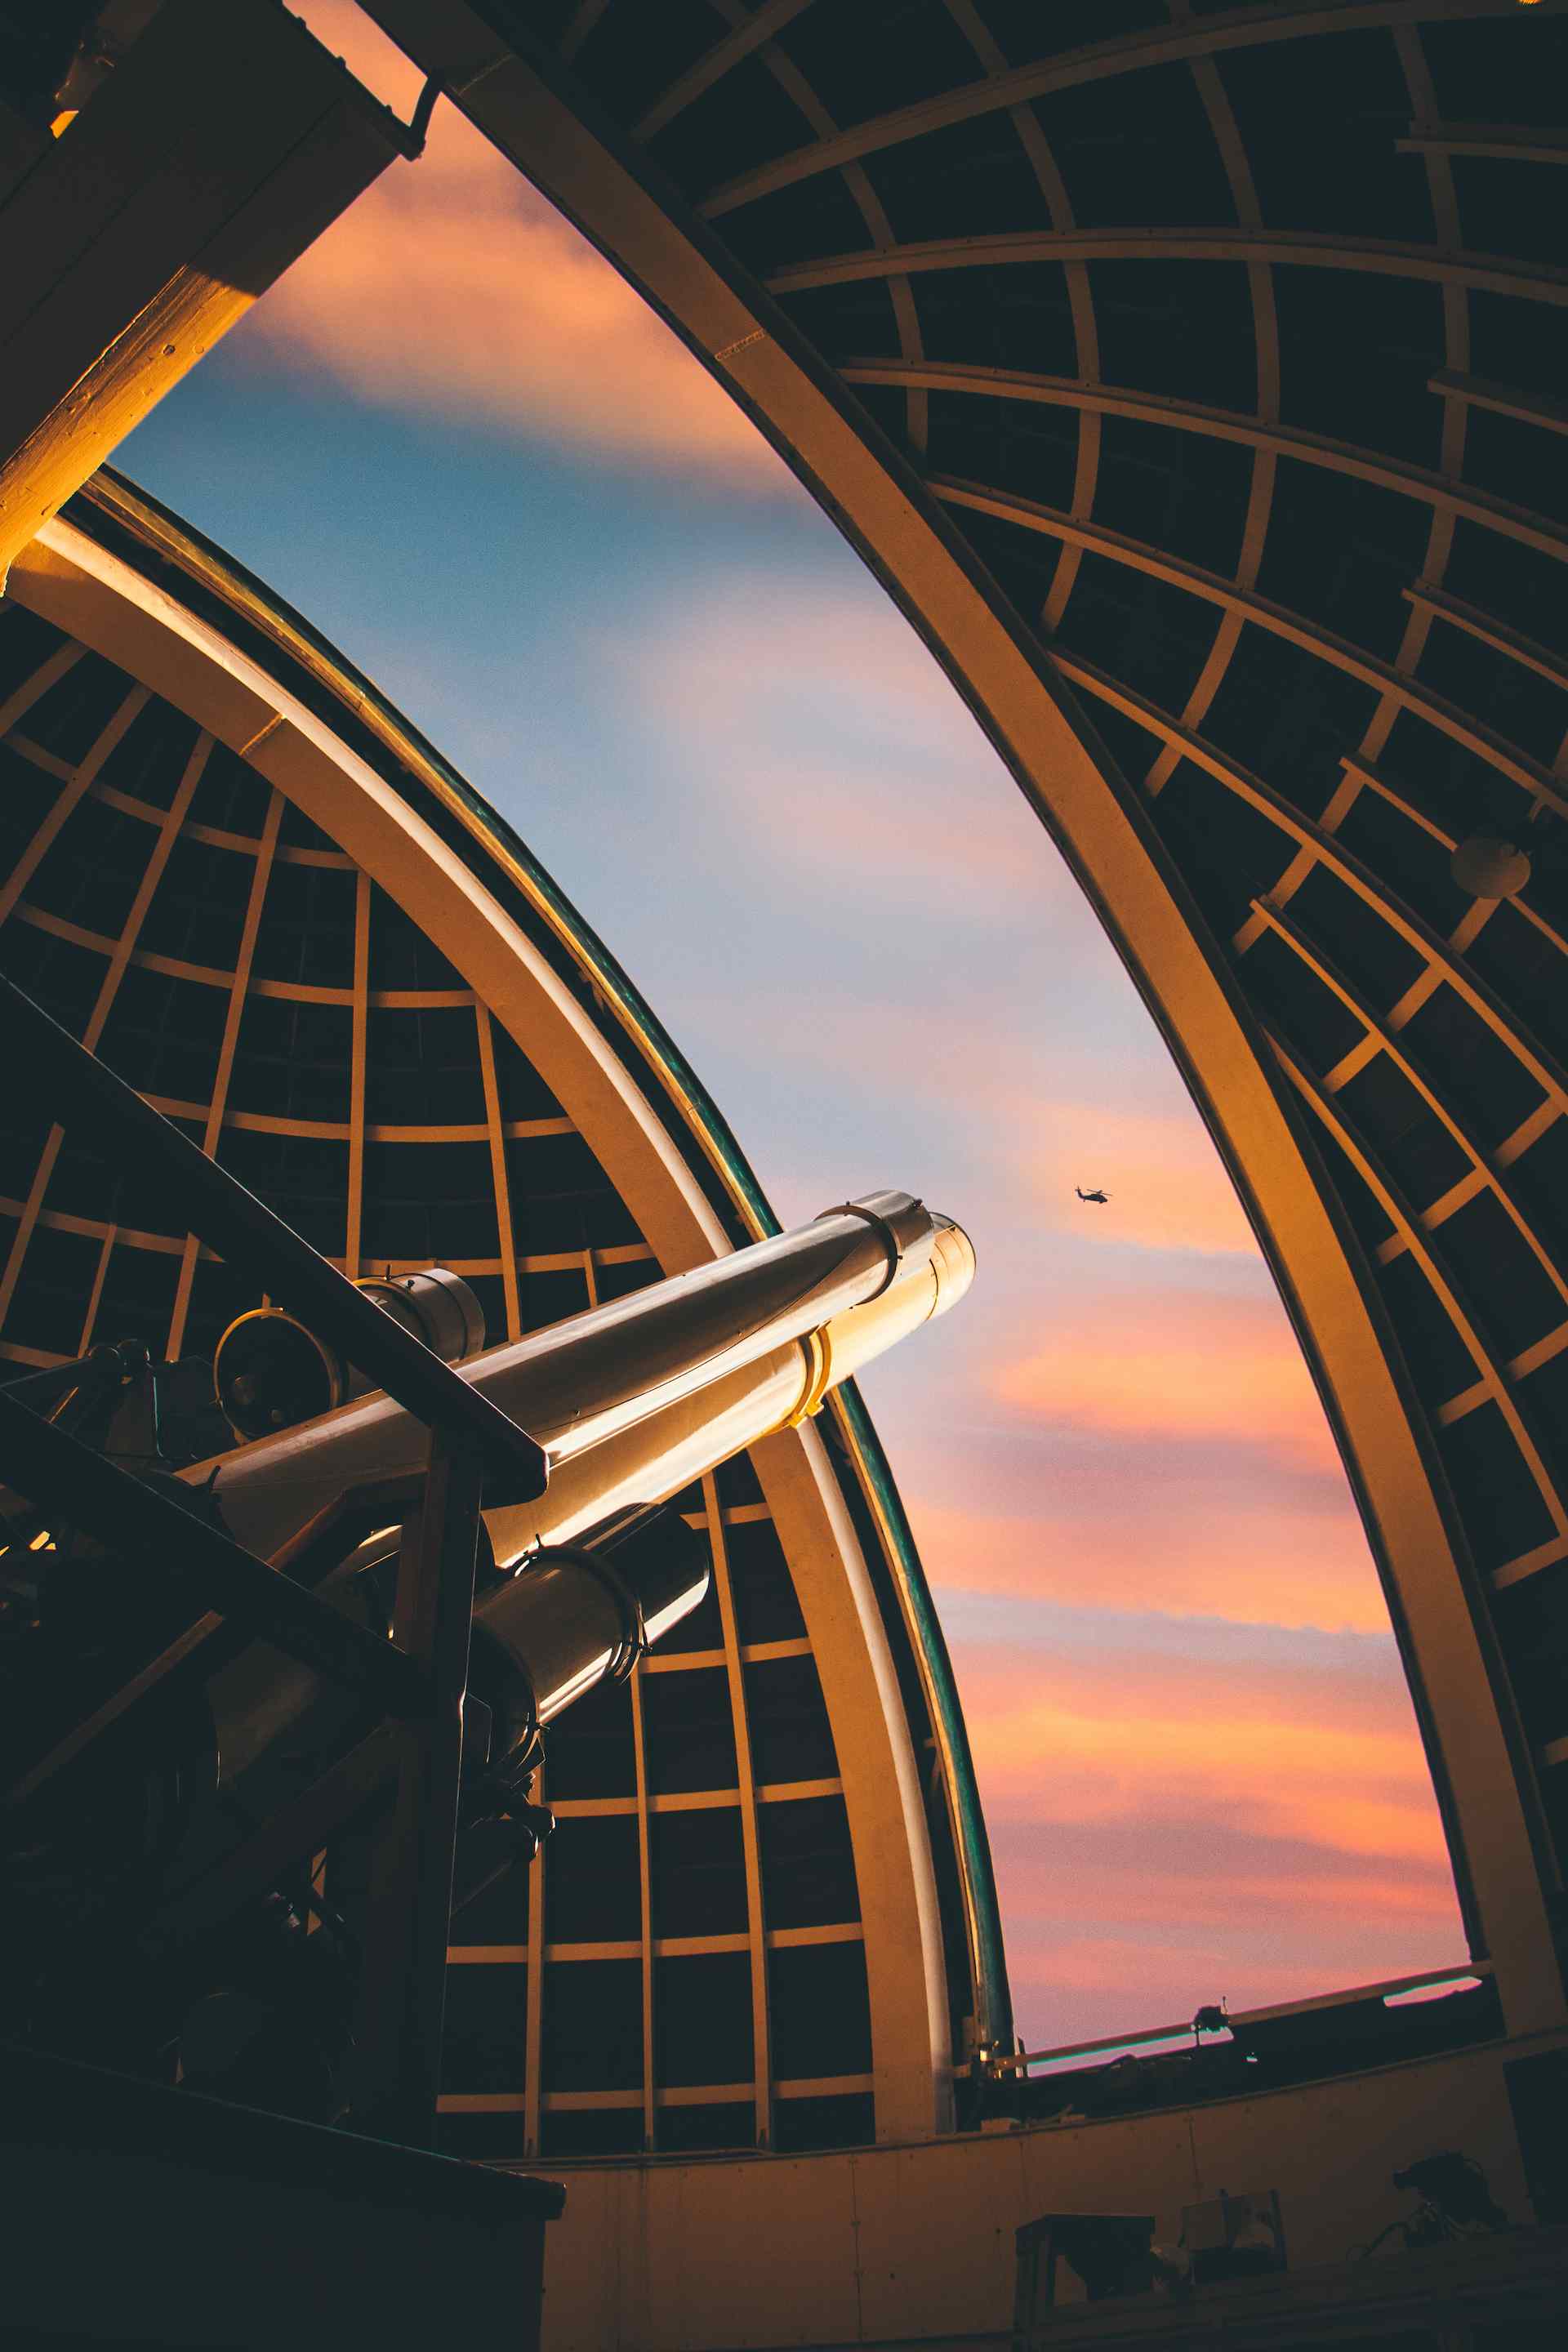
{"points": [[111, 525], [633, 1400], [270, 1370]]}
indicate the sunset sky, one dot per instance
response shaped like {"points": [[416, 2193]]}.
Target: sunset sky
{"points": [[467, 453]]}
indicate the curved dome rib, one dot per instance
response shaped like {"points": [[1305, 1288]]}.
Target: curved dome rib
{"points": [[267, 903], [1271, 793]]}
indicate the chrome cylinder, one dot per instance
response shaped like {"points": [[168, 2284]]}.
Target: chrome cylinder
{"points": [[702, 1364], [271, 1371], [577, 1615], [633, 1403]]}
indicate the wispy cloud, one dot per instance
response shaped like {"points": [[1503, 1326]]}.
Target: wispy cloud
{"points": [[452, 285], [1150, 1549], [1321, 1757], [1164, 1835], [1166, 1365], [845, 757]]}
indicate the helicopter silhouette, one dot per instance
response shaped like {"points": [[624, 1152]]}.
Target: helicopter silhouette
{"points": [[1097, 1195]]}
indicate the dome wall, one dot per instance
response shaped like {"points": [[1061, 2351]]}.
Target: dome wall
{"points": [[266, 902], [1192, 379]]}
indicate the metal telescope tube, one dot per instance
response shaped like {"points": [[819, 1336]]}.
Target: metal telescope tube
{"points": [[655, 1458], [560, 1630], [748, 1342]]}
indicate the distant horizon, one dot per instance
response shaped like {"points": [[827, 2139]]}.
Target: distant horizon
{"points": [[556, 544]]}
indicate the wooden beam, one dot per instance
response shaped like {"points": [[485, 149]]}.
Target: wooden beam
{"points": [[216, 151]]}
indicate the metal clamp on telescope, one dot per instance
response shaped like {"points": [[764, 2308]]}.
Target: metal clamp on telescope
{"points": [[574, 1616], [270, 1370]]}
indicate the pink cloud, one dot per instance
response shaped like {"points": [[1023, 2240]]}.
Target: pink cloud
{"points": [[1128, 1547], [1310, 1758], [1176, 1365], [453, 286], [1166, 1832]]}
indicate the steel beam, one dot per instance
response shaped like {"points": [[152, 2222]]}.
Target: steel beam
{"points": [[1458, 499], [410, 1910], [715, 63], [1375, 893], [1485, 273], [1502, 141], [1137, 556], [1528, 408], [64, 1081], [129, 1516], [1236, 28]]}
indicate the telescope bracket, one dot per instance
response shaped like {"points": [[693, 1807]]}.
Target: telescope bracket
{"points": [[817, 1349], [884, 1227], [634, 1638]]}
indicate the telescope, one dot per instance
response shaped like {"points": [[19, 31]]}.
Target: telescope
{"points": [[629, 1403]]}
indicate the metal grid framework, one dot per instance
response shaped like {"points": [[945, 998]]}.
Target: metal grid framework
{"points": [[1217, 352], [683, 1966]]}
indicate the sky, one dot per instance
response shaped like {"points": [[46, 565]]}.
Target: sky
{"points": [[471, 455]]}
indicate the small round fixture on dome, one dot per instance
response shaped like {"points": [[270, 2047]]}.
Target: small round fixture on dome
{"points": [[1489, 867]]}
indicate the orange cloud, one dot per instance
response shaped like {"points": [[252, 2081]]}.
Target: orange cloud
{"points": [[452, 285], [1166, 1833], [1176, 1365], [1327, 1764], [1127, 1548], [1359, 1792]]}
